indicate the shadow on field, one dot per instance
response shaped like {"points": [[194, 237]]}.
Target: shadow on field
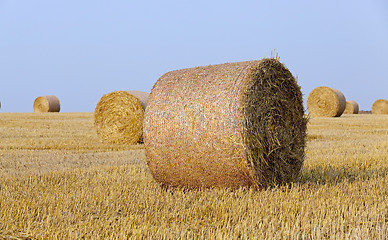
{"points": [[332, 175]]}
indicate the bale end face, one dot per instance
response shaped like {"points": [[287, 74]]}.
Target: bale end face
{"points": [[274, 129]]}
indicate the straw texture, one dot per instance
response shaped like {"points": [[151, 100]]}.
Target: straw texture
{"points": [[380, 106], [47, 104], [351, 107], [326, 102], [226, 125], [118, 116]]}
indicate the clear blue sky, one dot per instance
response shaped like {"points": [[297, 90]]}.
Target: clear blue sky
{"points": [[80, 50]]}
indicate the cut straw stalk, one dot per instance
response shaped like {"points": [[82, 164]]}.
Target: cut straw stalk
{"points": [[227, 125]]}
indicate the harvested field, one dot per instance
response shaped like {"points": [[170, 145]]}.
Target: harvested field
{"points": [[57, 181]]}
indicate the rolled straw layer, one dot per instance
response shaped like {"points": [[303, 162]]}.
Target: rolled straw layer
{"points": [[47, 104], [226, 125], [351, 107], [326, 102], [118, 116], [380, 106]]}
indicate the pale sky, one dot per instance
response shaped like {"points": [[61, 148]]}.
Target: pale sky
{"points": [[81, 50]]}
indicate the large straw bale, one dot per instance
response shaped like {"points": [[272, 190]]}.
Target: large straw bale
{"points": [[226, 125], [380, 106], [351, 107], [118, 116], [326, 102], [47, 104]]}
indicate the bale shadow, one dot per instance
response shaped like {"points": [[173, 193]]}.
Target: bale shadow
{"points": [[333, 175]]}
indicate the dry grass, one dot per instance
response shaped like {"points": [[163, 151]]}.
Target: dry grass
{"points": [[107, 192], [41, 142]]}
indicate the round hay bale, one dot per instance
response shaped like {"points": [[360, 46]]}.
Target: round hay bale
{"points": [[118, 116], [47, 104], [326, 102], [351, 107], [227, 125], [380, 106]]}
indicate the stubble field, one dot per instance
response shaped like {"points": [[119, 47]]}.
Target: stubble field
{"points": [[58, 181]]}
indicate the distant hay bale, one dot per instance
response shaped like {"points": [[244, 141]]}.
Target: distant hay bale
{"points": [[118, 116], [365, 112], [351, 107], [47, 104], [326, 102], [226, 125], [380, 106]]}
